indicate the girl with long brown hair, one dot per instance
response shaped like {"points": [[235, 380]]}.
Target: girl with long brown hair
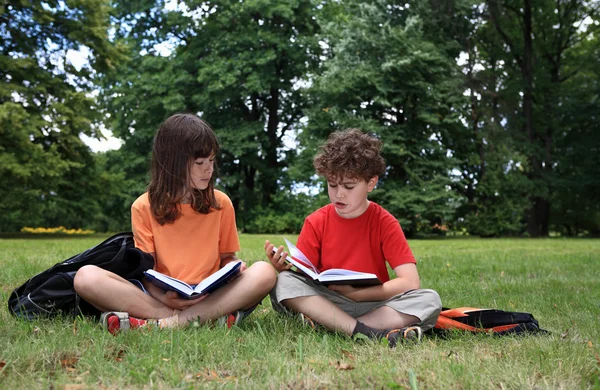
{"points": [[189, 227]]}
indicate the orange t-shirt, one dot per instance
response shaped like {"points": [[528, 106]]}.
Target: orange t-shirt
{"points": [[190, 248]]}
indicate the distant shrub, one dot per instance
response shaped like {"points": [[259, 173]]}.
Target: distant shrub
{"points": [[56, 230]]}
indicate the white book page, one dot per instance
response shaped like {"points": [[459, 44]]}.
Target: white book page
{"points": [[176, 283], [295, 252], [299, 265], [337, 272], [212, 278], [339, 278]]}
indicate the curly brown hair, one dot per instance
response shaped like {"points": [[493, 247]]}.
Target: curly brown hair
{"points": [[350, 154]]}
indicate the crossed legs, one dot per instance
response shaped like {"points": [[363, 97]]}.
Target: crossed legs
{"points": [[110, 292], [326, 313]]}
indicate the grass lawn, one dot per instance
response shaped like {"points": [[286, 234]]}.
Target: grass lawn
{"points": [[557, 280]]}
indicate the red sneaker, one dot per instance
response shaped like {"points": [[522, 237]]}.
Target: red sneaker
{"points": [[236, 317], [115, 321]]}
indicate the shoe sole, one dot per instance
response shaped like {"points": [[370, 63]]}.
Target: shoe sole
{"points": [[413, 334], [111, 319]]}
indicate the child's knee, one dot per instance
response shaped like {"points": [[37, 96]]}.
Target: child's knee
{"points": [[435, 300], [432, 308], [264, 275], [86, 277]]}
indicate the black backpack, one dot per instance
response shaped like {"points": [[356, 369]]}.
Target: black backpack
{"points": [[492, 321], [51, 292]]}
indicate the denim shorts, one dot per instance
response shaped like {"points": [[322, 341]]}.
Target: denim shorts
{"points": [[138, 284]]}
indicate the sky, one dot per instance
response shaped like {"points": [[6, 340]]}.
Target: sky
{"points": [[109, 143], [78, 59]]}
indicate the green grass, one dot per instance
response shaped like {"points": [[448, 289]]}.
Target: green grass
{"points": [[557, 280]]}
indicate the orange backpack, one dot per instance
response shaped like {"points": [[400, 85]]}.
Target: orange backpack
{"points": [[498, 322]]}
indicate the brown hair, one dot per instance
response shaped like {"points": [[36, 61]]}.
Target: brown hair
{"points": [[180, 140], [350, 154]]}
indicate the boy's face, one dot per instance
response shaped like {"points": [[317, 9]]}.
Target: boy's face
{"points": [[349, 196]]}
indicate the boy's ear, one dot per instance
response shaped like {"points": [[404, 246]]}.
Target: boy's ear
{"points": [[372, 183]]}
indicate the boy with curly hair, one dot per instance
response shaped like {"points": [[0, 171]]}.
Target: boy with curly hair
{"points": [[356, 234]]}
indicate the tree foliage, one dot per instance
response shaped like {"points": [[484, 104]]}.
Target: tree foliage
{"points": [[522, 56], [239, 65], [387, 77], [488, 110], [45, 168]]}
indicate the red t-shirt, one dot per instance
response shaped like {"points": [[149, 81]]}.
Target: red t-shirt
{"points": [[361, 244]]}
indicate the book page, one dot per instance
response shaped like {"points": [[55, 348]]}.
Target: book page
{"points": [[169, 281], [298, 264], [333, 272], [216, 276], [344, 276], [300, 257]]}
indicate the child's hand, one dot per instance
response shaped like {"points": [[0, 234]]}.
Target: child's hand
{"points": [[171, 299], [277, 258]]}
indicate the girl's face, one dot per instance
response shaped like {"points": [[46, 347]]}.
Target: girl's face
{"points": [[349, 196], [201, 172]]}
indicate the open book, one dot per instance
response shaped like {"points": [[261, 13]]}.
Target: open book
{"points": [[330, 276], [208, 285]]}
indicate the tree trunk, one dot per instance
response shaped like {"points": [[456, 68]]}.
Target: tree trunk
{"points": [[269, 181], [536, 213]]}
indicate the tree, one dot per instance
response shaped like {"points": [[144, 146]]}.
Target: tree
{"points": [[45, 105], [388, 78], [239, 65], [575, 202], [490, 177], [539, 39]]}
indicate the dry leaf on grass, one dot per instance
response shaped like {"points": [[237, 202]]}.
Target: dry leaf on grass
{"points": [[119, 355], [69, 361], [342, 366], [212, 375], [2, 364], [347, 354]]}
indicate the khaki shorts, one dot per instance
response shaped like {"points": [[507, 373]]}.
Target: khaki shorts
{"points": [[422, 303]]}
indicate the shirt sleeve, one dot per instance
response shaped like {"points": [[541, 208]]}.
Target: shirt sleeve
{"points": [[395, 247], [141, 226], [228, 235]]}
